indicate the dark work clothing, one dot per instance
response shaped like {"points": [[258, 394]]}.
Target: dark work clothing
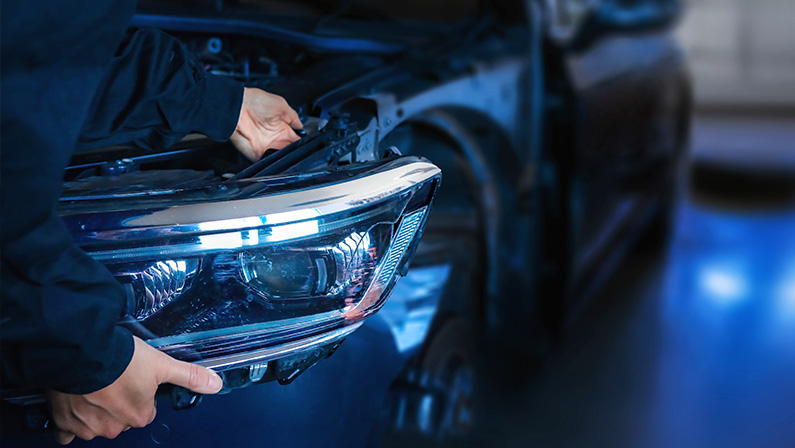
{"points": [[71, 79], [154, 93]]}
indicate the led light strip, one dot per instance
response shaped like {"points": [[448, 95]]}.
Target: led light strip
{"points": [[405, 234]]}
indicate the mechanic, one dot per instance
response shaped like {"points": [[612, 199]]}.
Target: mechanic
{"points": [[74, 79]]}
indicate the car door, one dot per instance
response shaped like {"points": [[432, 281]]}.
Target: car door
{"points": [[619, 63]]}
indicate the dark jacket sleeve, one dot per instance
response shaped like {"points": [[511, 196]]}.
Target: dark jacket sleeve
{"points": [[58, 307], [155, 92]]}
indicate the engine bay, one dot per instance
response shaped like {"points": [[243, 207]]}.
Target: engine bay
{"points": [[297, 73]]}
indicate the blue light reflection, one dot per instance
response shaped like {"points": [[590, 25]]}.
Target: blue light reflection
{"points": [[412, 305], [723, 283], [724, 359]]}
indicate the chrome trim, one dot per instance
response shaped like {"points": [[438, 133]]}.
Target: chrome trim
{"points": [[24, 398], [281, 351], [238, 239], [273, 209], [295, 323], [291, 206], [196, 228]]}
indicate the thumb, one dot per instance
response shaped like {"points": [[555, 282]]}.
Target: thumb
{"points": [[191, 376]]}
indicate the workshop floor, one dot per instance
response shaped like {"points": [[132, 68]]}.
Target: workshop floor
{"points": [[694, 347]]}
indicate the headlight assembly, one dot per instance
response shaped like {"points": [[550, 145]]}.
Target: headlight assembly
{"points": [[249, 271]]}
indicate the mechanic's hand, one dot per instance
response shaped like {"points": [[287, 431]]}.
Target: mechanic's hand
{"points": [[130, 400], [266, 121]]}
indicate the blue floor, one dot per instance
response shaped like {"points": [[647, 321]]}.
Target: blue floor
{"points": [[725, 373], [694, 347]]}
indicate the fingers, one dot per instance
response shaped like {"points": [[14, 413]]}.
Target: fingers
{"points": [[94, 422], [289, 137], [100, 423], [276, 139], [108, 430], [151, 419], [63, 437], [65, 432], [127, 402], [244, 146], [293, 119], [193, 377], [285, 112], [111, 431], [292, 136], [67, 424], [266, 122]]}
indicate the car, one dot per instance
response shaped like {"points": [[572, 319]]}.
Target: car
{"points": [[557, 126]]}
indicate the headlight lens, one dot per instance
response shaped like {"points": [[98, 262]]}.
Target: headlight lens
{"points": [[338, 268], [277, 273]]}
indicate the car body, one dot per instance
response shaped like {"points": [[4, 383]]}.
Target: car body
{"points": [[557, 125]]}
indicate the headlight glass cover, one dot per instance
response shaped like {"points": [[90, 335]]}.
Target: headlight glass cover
{"points": [[259, 269]]}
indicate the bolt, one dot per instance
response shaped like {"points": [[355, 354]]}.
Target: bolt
{"points": [[118, 167], [339, 122], [214, 45]]}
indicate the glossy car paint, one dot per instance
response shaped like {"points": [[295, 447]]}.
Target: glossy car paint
{"points": [[632, 97]]}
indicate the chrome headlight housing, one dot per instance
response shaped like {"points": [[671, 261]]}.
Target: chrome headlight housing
{"points": [[249, 271]]}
